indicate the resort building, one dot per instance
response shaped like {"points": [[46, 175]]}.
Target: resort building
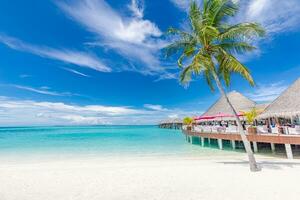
{"points": [[218, 117], [276, 126], [174, 123], [283, 114]]}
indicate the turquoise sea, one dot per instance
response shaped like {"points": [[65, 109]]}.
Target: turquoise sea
{"points": [[112, 141]]}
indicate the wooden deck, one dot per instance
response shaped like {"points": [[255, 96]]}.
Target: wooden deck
{"points": [[265, 138]]}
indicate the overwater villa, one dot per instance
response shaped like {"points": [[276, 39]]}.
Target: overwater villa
{"points": [[218, 118], [174, 123], [276, 124], [284, 112]]}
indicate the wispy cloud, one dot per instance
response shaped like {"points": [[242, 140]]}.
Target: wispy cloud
{"points": [[78, 58], [267, 92], [183, 4], [155, 107], [137, 8], [276, 15], [42, 90], [28, 112], [75, 72], [131, 36], [24, 75]]}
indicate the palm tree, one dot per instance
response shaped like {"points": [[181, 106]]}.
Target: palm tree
{"points": [[209, 49]]}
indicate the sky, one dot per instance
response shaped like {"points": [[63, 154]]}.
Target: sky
{"points": [[93, 62]]}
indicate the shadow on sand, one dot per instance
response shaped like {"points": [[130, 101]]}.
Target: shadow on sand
{"points": [[264, 164]]}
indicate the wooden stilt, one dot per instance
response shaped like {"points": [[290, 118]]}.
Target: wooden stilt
{"points": [[273, 147], [233, 144], [220, 143], [255, 148], [289, 152]]}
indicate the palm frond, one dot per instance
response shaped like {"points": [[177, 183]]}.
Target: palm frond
{"points": [[208, 33], [216, 10], [183, 34], [209, 79], [212, 42], [229, 64], [242, 31], [224, 10], [196, 19], [236, 47], [185, 42], [177, 46], [198, 65]]}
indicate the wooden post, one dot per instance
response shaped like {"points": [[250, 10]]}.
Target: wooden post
{"points": [[289, 152], [220, 143], [273, 147], [202, 141], [255, 148], [233, 144]]}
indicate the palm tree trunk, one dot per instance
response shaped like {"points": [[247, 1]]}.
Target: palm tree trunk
{"points": [[253, 165]]}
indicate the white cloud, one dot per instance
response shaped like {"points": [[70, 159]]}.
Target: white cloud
{"points": [[267, 92], [27, 112], [137, 8], [100, 18], [131, 36], [97, 109], [173, 116], [78, 119], [24, 75], [75, 72], [155, 107], [78, 58], [184, 4], [42, 90], [276, 15]]}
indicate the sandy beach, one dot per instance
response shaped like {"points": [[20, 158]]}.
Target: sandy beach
{"points": [[149, 178]]}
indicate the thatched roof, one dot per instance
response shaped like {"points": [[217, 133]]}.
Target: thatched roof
{"points": [[286, 105], [171, 121], [261, 107], [239, 102]]}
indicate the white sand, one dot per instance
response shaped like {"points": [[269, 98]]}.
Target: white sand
{"points": [[149, 178]]}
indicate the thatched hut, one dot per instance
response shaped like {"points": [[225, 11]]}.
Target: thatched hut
{"points": [[287, 105], [239, 102], [173, 123], [220, 110]]}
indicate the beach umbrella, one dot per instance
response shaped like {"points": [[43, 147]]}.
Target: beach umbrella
{"points": [[203, 117]]}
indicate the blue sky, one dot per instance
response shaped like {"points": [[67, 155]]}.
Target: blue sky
{"points": [[100, 62]]}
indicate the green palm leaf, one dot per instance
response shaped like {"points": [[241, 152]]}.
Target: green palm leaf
{"points": [[210, 46]]}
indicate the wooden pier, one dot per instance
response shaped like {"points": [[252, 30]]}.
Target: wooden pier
{"points": [[272, 139]]}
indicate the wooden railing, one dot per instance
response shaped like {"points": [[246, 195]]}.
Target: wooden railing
{"points": [[267, 138]]}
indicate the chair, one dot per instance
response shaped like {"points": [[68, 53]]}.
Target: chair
{"points": [[294, 131], [262, 129], [214, 129], [274, 130], [206, 129], [221, 129], [232, 129], [198, 129]]}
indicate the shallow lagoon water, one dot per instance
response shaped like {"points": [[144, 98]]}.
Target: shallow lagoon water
{"points": [[99, 141]]}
